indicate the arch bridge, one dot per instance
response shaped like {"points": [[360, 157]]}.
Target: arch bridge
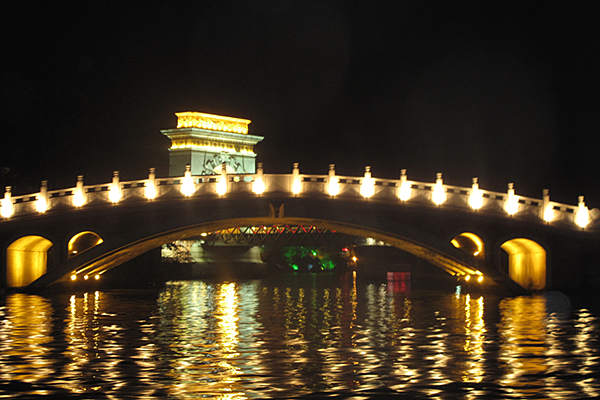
{"points": [[502, 239]]}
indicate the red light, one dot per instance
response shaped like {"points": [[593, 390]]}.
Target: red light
{"points": [[345, 249]]}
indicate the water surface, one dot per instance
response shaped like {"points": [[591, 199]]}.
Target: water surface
{"points": [[296, 337]]}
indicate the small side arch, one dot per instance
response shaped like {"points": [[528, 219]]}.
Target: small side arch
{"points": [[526, 263], [26, 260], [470, 243], [82, 242]]}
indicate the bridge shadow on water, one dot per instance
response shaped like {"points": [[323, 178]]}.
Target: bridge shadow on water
{"points": [[400, 275]]}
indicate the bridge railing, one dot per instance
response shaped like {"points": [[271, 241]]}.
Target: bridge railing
{"points": [[402, 192]]}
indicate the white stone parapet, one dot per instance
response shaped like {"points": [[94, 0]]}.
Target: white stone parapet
{"points": [[385, 190]]}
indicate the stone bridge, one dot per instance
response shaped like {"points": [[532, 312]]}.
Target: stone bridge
{"points": [[494, 238]]}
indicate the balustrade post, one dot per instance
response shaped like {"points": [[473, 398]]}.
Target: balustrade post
{"points": [[150, 191], [333, 185], [79, 197], [188, 187], [222, 180], [546, 210], [438, 195], [6, 208], [582, 215], [404, 190], [475, 197], [41, 203], [512, 201], [296, 180], [114, 192], [367, 186], [258, 183]]}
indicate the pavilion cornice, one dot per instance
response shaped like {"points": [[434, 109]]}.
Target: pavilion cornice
{"points": [[198, 133]]}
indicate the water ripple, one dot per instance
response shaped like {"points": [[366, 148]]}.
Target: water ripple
{"points": [[305, 338]]}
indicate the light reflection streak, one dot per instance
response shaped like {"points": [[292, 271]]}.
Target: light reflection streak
{"points": [[405, 364], [92, 339], [588, 353], [523, 345], [24, 337], [368, 360], [474, 339], [206, 349], [227, 329], [437, 338], [75, 335]]}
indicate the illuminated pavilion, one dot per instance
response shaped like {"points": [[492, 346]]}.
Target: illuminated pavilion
{"points": [[205, 141]]}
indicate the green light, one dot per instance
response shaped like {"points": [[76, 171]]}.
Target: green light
{"points": [[300, 257], [327, 265]]}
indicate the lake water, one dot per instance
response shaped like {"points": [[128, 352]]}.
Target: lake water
{"points": [[297, 336]]}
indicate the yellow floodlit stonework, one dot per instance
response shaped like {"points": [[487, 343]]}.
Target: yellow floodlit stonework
{"points": [[79, 193], [404, 190], [438, 195], [41, 204], [150, 190], [333, 184], [526, 263], [26, 260], [203, 145], [258, 184], [512, 200], [582, 215], [188, 187], [6, 206], [115, 194], [190, 119], [296, 180], [475, 197], [367, 187]]}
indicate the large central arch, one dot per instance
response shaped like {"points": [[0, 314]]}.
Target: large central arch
{"points": [[118, 256]]}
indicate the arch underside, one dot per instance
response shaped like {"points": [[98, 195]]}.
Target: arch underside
{"points": [[114, 258], [470, 243], [82, 242], [26, 260], [526, 263]]}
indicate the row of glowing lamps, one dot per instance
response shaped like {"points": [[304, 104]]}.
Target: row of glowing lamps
{"points": [[478, 278], [367, 190], [85, 277]]}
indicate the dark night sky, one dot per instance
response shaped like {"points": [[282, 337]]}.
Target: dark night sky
{"points": [[503, 94]]}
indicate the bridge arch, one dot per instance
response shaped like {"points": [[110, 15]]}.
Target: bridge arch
{"points": [[470, 243], [111, 259], [526, 262], [26, 260], [82, 242]]}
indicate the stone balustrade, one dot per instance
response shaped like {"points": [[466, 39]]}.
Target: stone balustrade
{"points": [[362, 188]]}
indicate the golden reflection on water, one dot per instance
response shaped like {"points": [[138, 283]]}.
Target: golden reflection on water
{"points": [[205, 342], [227, 323], [24, 336], [523, 348], [474, 339], [259, 339], [535, 352], [586, 334]]}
